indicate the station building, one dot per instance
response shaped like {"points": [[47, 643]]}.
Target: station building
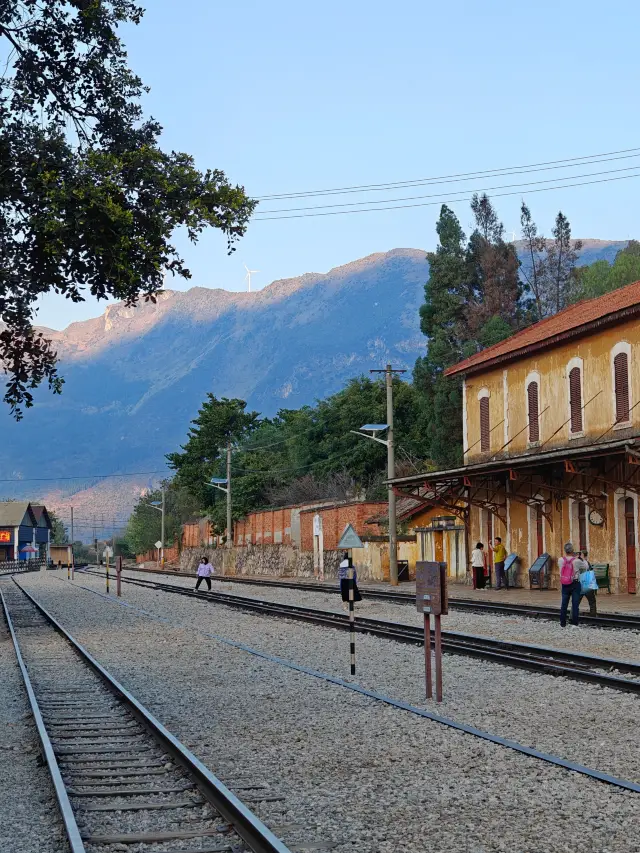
{"points": [[25, 531], [551, 438]]}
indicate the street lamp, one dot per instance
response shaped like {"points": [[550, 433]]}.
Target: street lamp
{"points": [[223, 484], [371, 431], [159, 505]]}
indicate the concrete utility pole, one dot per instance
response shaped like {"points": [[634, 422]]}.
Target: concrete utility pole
{"points": [[161, 531], [229, 520], [391, 473]]}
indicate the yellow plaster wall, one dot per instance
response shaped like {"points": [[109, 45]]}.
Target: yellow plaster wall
{"points": [[597, 383]]}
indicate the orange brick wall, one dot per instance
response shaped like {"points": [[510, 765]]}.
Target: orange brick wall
{"points": [[268, 527], [171, 555], [335, 519]]}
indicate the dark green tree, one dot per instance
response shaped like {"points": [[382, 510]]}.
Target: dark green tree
{"points": [[88, 200], [443, 319], [220, 422], [145, 523], [59, 533], [533, 270], [602, 277], [560, 265]]}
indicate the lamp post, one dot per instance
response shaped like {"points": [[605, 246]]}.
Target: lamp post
{"points": [[371, 431], [160, 506], [223, 484]]}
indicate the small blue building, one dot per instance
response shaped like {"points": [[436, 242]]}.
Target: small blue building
{"points": [[25, 531]]}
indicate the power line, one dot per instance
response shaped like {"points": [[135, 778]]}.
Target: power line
{"points": [[458, 192], [459, 175], [82, 477], [440, 201]]}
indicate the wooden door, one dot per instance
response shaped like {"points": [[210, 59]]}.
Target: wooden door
{"points": [[630, 530], [540, 531], [438, 548], [488, 552]]}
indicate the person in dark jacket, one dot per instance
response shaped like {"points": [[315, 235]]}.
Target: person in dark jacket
{"points": [[343, 576]]}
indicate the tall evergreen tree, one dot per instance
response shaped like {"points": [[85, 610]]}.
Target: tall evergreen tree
{"points": [[443, 321], [560, 265], [533, 269]]}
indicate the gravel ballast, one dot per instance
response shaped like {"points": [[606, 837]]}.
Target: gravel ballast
{"points": [[614, 643], [29, 817], [351, 770]]}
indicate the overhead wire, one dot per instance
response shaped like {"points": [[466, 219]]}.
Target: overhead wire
{"points": [[433, 203], [541, 166]]}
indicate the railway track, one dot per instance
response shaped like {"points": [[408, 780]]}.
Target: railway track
{"points": [[533, 611], [588, 668], [120, 777]]}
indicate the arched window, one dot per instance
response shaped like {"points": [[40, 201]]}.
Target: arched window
{"points": [[533, 408], [575, 399], [621, 384], [485, 426]]}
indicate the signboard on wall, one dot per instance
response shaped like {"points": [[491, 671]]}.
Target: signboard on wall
{"points": [[317, 524], [5, 536]]}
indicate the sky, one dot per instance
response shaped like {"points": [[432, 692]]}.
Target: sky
{"points": [[291, 97]]}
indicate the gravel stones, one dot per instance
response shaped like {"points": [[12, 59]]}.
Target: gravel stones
{"points": [[353, 771]]}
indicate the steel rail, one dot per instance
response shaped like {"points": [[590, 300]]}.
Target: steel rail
{"points": [[603, 620], [545, 659], [250, 828], [62, 798], [548, 758]]}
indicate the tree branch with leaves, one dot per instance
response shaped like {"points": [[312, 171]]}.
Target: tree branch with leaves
{"points": [[88, 200]]}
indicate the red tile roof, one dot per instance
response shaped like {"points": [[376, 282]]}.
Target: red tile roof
{"points": [[614, 307]]}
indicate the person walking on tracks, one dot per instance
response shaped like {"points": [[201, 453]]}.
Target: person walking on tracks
{"points": [[478, 566], [343, 577], [205, 570], [589, 594], [570, 567], [499, 556]]}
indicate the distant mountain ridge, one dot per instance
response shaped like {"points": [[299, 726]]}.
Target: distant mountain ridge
{"points": [[135, 377]]}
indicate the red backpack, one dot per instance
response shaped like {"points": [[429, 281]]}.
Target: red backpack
{"points": [[566, 572]]}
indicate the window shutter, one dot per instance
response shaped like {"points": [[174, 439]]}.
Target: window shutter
{"points": [[485, 438], [534, 423], [575, 399], [621, 376]]}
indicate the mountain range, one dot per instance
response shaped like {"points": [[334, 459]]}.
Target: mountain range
{"points": [[135, 377]]}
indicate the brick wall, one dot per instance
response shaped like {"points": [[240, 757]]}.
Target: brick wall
{"points": [[267, 527], [171, 555], [334, 520]]}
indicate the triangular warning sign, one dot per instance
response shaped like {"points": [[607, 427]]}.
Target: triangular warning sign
{"points": [[350, 539]]}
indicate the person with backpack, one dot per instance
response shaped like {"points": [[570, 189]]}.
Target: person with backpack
{"points": [[589, 594], [346, 571], [570, 567]]}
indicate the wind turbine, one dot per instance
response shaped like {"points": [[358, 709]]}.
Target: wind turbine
{"points": [[247, 277]]}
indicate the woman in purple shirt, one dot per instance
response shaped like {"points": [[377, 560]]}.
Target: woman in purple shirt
{"points": [[205, 570]]}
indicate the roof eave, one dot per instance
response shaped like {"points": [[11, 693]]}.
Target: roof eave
{"points": [[611, 319]]}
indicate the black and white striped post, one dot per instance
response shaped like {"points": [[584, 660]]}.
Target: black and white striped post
{"points": [[352, 618]]}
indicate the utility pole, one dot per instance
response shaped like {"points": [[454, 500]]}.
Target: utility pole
{"points": [[229, 520], [161, 531], [391, 473], [72, 557]]}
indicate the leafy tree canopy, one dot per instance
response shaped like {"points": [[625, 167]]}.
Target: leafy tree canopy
{"points": [[59, 533], [602, 277], [145, 523], [88, 199]]}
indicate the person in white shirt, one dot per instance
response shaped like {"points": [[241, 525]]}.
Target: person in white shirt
{"points": [[205, 570], [477, 566]]}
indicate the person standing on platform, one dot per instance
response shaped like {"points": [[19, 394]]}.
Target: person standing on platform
{"points": [[590, 594], [205, 570], [499, 556], [477, 566], [570, 567], [343, 577]]}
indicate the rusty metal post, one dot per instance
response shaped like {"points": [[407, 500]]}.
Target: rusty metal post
{"points": [[438, 633], [107, 575], [427, 655], [119, 576]]}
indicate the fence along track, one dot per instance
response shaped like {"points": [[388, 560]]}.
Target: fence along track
{"points": [[575, 665], [119, 776]]}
